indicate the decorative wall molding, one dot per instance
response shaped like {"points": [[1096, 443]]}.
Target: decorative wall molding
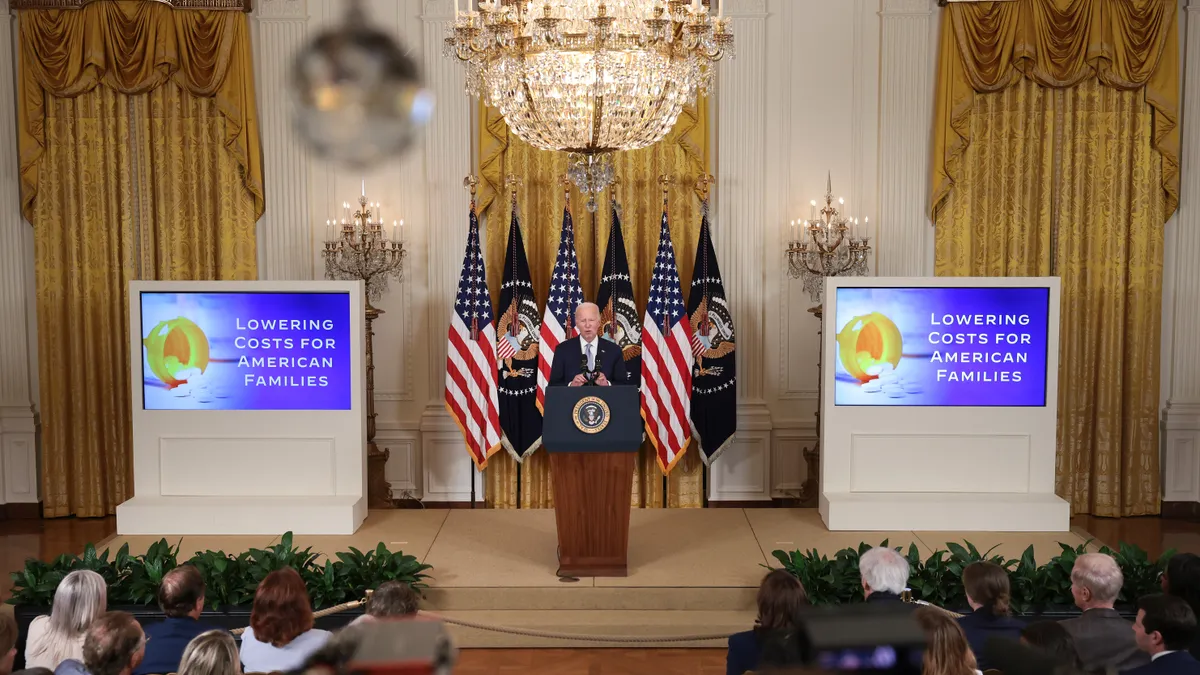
{"points": [[907, 81], [403, 441], [739, 236], [18, 447], [446, 465], [788, 471], [907, 8], [286, 229], [1181, 455], [756, 9], [743, 472], [282, 9]]}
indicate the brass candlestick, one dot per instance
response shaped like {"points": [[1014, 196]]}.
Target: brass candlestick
{"points": [[358, 247]]}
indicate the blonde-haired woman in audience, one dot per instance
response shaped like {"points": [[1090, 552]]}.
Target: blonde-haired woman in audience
{"points": [[946, 648], [80, 597], [211, 653]]}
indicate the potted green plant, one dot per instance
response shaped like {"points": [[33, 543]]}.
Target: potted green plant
{"points": [[230, 580]]}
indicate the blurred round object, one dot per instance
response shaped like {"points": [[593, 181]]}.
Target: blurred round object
{"points": [[358, 97]]}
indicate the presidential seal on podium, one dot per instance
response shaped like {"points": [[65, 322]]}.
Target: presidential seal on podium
{"points": [[591, 415]]}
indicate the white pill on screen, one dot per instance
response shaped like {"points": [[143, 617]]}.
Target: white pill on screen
{"points": [[912, 387], [888, 376], [204, 398], [887, 367], [872, 387], [896, 393], [874, 370], [220, 392], [182, 391]]}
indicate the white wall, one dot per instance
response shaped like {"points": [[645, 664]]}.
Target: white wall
{"points": [[841, 86]]}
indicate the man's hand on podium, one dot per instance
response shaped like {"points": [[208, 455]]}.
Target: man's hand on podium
{"points": [[579, 381], [602, 380]]}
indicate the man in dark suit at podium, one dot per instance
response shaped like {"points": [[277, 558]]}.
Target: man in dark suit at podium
{"points": [[587, 359]]}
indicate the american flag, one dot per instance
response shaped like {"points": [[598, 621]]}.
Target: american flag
{"points": [[558, 322], [471, 357], [666, 359]]}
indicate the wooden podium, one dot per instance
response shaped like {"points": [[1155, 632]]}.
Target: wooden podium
{"points": [[593, 435]]}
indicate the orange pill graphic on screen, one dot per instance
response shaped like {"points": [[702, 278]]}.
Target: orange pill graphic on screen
{"points": [[176, 350], [870, 345]]}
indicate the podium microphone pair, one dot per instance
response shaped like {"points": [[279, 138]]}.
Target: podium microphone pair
{"points": [[589, 374]]}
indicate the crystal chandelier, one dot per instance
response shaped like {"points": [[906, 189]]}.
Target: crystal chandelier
{"points": [[589, 77], [827, 245]]}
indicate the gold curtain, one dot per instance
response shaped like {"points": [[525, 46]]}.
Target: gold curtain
{"points": [[1057, 154], [139, 160], [682, 155]]}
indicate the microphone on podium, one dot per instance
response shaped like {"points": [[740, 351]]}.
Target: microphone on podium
{"points": [[588, 373]]}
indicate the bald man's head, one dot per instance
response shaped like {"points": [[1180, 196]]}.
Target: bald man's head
{"points": [[587, 320]]}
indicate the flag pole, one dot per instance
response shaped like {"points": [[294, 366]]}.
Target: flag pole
{"points": [[704, 185], [471, 182], [513, 182]]}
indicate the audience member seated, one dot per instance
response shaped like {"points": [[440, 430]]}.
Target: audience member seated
{"points": [[8, 642], [80, 597], [988, 594], [113, 645], [33, 671], [884, 575], [211, 653], [281, 634], [392, 600], [1164, 628], [946, 648], [181, 598], [1052, 639], [1182, 579], [780, 596], [1102, 638]]}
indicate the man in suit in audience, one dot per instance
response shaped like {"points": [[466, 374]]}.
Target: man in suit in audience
{"points": [[1164, 628], [605, 363], [1102, 638], [181, 598], [884, 575]]}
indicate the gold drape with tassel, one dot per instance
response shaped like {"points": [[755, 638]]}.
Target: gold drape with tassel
{"points": [[682, 155], [1056, 153], [139, 160]]}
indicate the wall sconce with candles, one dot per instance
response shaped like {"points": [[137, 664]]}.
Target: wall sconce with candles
{"points": [[828, 244], [357, 246]]}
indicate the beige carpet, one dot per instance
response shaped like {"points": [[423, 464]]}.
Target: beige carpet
{"points": [[691, 571]]}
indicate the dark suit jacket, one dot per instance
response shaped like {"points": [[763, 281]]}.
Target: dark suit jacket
{"points": [[886, 598], [568, 354], [1178, 663], [744, 651], [166, 642], [1103, 639], [982, 624]]}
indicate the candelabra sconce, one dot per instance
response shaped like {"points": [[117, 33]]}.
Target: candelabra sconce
{"points": [[828, 244], [358, 246]]}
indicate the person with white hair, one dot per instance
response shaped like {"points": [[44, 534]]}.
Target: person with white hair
{"points": [[884, 574], [587, 360], [1102, 638], [80, 598]]}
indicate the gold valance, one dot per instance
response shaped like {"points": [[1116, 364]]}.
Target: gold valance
{"points": [[989, 46], [134, 47]]}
